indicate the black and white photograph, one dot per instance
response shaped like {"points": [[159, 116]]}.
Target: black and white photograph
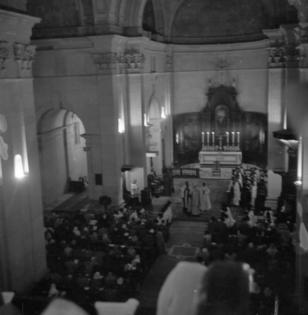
{"points": [[153, 157]]}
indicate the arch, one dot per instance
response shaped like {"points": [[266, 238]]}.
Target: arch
{"points": [[155, 10], [206, 21], [131, 13], [63, 160]]}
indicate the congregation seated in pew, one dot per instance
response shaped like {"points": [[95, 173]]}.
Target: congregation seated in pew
{"points": [[99, 254]]}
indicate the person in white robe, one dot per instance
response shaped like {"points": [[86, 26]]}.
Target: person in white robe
{"points": [[205, 201], [229, 220], [187, 193], [236, 193], [253, 191], [195, 201]]}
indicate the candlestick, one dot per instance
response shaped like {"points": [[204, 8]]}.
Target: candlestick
{"points": [[213, 138], [227, 137], [202, 135], [207, 138], [238, 138], [233, 134]]}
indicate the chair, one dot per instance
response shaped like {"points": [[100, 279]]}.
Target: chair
{"points": [[111, 308]]}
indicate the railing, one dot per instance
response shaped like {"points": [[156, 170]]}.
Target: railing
{"points": [[185, 172]]}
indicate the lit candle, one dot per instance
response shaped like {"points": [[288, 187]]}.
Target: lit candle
{"points": [[227, 137], [238, 138], [207, 138], [213, 138], [233, 134], [202, 134]]}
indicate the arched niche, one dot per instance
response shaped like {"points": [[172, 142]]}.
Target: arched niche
{"points": [[63, 160]]}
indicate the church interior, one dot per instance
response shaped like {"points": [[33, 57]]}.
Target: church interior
{"points": [[114, 113]]}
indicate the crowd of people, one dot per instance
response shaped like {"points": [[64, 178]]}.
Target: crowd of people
{"points": [[264, 241], [245, 264], [99, 254], [248, 188], [195, 199]]}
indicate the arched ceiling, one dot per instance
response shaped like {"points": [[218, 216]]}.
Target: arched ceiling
{"points": [[219, 21], [176, 21]]}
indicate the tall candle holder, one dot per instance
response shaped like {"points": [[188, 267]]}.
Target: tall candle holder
{"points": [[232, 138], [202, 138], [227, 138], [213, 138]]}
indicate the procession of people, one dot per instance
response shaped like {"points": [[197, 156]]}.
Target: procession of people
{"points": [[196, 199]]}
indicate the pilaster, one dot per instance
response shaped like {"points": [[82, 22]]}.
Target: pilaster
{"points": [[276, 82], [22, 232]]}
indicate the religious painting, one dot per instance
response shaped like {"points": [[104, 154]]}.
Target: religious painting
{"points": [[221, 119]]}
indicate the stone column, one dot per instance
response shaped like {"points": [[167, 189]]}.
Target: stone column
{"points": [[276, 83], [22, 245], [94, 153], [107, 157], [133, 63], [168, 158], [299, 117]]}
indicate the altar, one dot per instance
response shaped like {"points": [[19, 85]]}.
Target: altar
{"points": [[218, 164], [218, 155]]}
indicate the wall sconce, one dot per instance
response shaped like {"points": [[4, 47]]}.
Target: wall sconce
{"points": [[286, 137], [146, 120], [299, 175], [121, 125], [18, 167], [163, 114]]}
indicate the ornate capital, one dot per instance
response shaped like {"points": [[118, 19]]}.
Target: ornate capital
{"points": [[4, 53], [169, 62], [302, 9], [133, 60], [277, 57], [24, 55], [277, 50]]}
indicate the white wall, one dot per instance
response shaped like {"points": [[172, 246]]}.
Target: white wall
{"points": [[244, 65]]}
